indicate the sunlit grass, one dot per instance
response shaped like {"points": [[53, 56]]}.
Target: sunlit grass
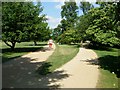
{"points": [[61, 55], [20, 49], [109, 64]]}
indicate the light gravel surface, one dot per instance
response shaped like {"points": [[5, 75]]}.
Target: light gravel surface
{"points": [[82, 70]]}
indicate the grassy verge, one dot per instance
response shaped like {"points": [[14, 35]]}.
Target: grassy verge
{"points": [[20, 49], [61, 55], [109, 68]]}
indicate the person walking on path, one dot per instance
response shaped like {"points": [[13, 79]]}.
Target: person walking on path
{"points": [[50, 43]]}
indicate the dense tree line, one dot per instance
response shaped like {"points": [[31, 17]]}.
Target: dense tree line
{"points": [[100, 25], [23, 21]]}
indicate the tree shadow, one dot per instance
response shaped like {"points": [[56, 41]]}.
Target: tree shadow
{"points": [[92, 61], [21, 73], [37, 44], [22, 49], [111, 63], [108, 62], [99, 47]]}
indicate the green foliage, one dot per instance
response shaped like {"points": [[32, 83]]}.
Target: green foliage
{"points": [[102, 29], [109, 67], [65, 30], [85, 7], [68, 36], [82, 25], [69, 11], [20, 22]]}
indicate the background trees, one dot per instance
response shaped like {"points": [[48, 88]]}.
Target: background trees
{"points": [[69, 16], [100, 25], [23, 21], [20, 22]]}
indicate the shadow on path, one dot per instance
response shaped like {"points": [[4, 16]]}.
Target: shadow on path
{"points": [[20, 73]]}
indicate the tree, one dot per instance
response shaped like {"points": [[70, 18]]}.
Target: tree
{"points": [[85, 7], [39, 26], [84, 21], [102, 29], [82, 25], [69, 16], [100, 25], [13, 22], [20, 22]]}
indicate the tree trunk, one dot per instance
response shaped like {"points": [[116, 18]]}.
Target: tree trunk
{"points": [[13, 46], [35, 43]]}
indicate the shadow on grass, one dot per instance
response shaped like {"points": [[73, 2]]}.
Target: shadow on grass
{"points": [[5, 59], [111, 63], [21, 73], [101, 48], [24, 49], [37, 44], [108, 62], [16, 51]]}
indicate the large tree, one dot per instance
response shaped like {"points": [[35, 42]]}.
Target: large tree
{"points": [[103, 30], [19, 21]]}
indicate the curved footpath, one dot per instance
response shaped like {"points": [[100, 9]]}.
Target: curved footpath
{"points": [[80, 72]]}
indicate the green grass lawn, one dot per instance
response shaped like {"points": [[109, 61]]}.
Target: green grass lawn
{"points": [[61, 55], [20, 49], [109, 68]]}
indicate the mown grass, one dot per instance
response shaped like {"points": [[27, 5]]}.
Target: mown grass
{"points": [[61, 55], [20, 49], [109, 62]]}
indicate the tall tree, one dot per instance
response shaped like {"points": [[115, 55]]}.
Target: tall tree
{"points": [[38, 24], [13, 22], [83, 21], [69, 12], [69, 16], [19, 21]]}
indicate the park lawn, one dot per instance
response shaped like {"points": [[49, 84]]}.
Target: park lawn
{"points": [[20, 49], [61, 55], [107, 59]]}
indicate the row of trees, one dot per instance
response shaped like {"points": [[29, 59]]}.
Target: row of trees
{"points": [[100, 25], [23, 21]]}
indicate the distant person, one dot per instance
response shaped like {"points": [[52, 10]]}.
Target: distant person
{"points": [[50, 42]]}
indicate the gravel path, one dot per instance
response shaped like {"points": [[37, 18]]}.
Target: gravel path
{"points": [[80, 72]]}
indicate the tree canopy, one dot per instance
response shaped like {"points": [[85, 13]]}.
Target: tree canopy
{"points": [[69, 16], [22, 21]]}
